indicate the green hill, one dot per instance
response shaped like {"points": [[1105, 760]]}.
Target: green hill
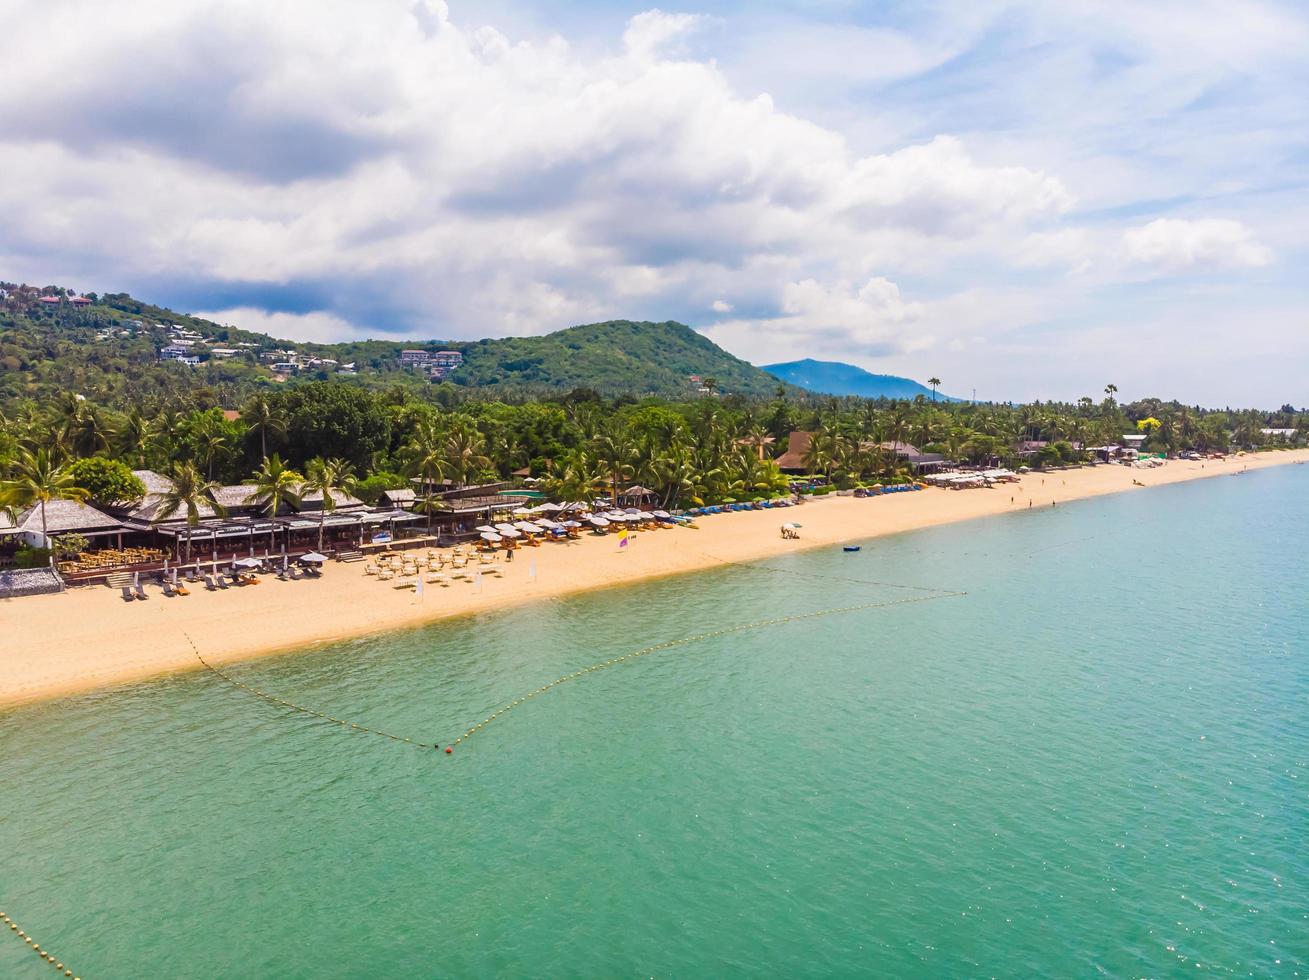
{"points": [[619, 356], [110, 349]]}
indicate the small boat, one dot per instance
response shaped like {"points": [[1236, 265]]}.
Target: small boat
{"points": [[850, 547]]}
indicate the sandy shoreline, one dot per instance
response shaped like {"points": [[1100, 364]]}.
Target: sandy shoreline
{"points": [[88, 638]]}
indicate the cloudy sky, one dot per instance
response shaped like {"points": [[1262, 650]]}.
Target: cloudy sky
{"points": [[1028, 199]]}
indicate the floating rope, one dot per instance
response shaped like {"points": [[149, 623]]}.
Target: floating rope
{"points": [[282, 702], [645, 651], [602, 665], [45, 954]]}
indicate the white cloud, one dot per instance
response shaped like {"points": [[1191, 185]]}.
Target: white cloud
{"points": [[404, 171], [871, 319], [721, 306], [1174, 244]]}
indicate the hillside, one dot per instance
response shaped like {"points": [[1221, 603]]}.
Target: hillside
{"points": [[615, 357], [117, 350], [836, 378]]}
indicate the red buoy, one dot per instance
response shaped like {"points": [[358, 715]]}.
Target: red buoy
{"points": [[448, 750]]}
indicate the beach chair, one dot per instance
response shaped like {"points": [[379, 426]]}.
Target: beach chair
{"points": [[209, 583], [140, 592], [385, 574], [127, 593], [168, 589]]}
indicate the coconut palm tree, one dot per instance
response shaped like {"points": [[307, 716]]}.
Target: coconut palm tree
{"points": [[430, 504], [275, 484], [934, 383], [464, 452], [261, 416], [618, 457], [35, 479], [327, 476], [189, 492], [425, 455], [135, 437]]}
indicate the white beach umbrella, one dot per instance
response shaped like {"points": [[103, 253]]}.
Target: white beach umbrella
{"points": [[492, 537]]}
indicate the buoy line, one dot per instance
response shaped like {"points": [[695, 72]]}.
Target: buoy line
{"points": [[281, 702], [644, 651], [45, 954], [575, 675]]}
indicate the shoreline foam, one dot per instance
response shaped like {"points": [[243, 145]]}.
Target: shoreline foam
{"points": [[88, 638]]}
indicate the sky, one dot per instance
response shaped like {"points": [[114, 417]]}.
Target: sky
{"points": [[1024, 199]]}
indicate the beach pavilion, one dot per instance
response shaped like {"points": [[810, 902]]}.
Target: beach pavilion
{"points": [[62, 517]]}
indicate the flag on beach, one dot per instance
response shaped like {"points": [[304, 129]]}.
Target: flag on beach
{"points": [[623, 535], [531, 570]]}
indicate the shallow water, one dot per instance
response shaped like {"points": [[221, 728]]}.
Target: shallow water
{"points": [[1095, 761]]}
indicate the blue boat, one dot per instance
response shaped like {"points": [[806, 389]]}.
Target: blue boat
{"points": [[850, 547]]}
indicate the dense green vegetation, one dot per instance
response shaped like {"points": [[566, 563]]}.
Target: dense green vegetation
{"points": [[108, 351], [77, 418]]}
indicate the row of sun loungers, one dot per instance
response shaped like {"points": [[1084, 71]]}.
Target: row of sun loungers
{"points": [[216, 582]]}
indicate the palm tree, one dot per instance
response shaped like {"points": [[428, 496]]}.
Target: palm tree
{"points": [[430, 504], [189, 492], [934, 383], [261, 416], [275, 484], [464, 453], [37, 478], [327, 476], [135, 437], [425, 455], [618, 457]]}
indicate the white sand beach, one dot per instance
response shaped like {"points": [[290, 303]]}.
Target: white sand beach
{"points": [[89, 638]]}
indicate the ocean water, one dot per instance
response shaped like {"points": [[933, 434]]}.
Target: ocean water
{"points": [[1094, 762]]}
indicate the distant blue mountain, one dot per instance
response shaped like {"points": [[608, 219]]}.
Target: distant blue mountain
{"points": [[835, 378]]}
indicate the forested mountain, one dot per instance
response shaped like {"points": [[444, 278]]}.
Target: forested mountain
{"points": [[119, 351], [837, 378]]}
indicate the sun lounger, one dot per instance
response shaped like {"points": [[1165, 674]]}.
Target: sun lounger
{"points": [[209, 583], [127, 593], [168, 589], [140, 592], [221, 581]]}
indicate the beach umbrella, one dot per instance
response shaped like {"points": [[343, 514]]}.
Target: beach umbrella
{"points": [[492, 537], [571, 524], [661, 513], [599, 522], [793, 526], [314, 558], [246, 563]]}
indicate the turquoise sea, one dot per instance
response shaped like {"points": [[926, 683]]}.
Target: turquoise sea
{"points": [[1094, 762]]}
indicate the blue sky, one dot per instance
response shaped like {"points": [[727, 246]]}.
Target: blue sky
{"points": [[1028, 199]]}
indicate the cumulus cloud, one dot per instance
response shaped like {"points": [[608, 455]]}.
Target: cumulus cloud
{"points": [[396, 170], [1174, 244], [870, 319]]}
